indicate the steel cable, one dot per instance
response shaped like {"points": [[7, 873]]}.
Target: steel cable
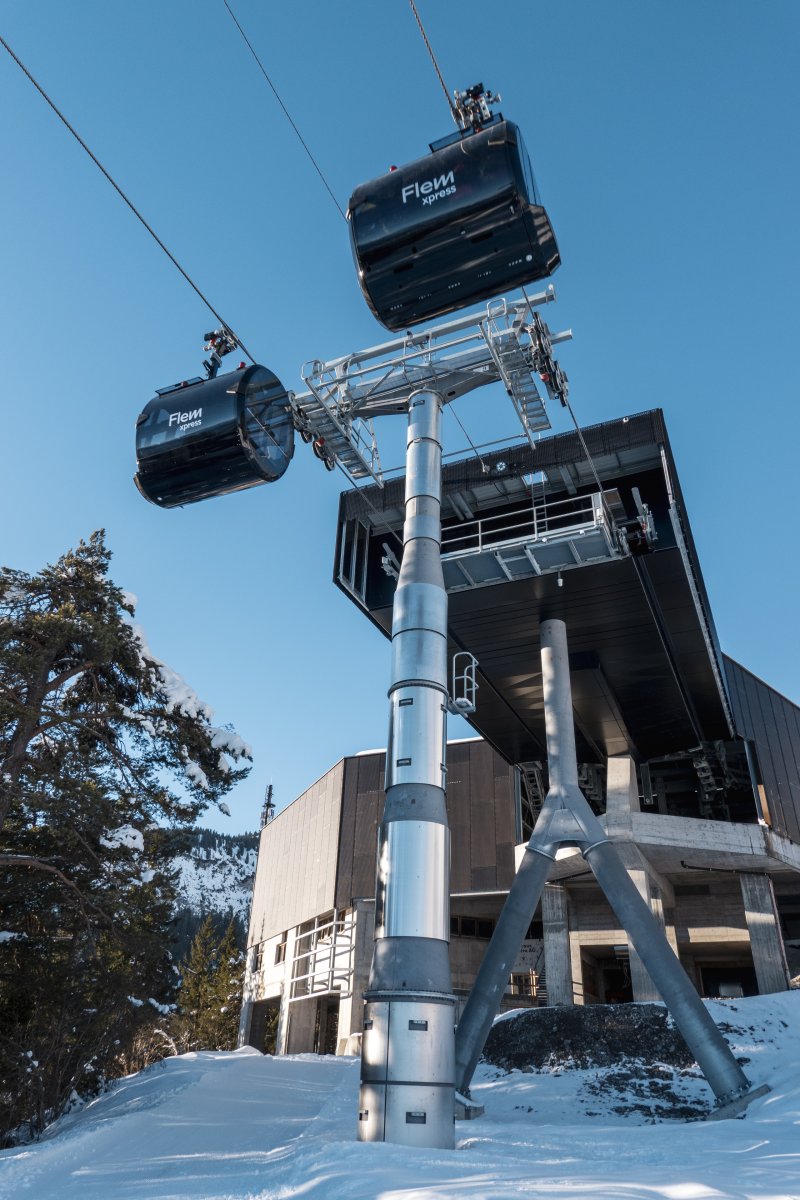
{"points": [[303, 143], [450, 105], [122, 195]]}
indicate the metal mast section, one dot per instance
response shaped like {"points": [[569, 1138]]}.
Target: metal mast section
{"points": [[408, 1045], [566, 818]]}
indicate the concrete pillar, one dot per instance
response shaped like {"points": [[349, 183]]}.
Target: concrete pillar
{"points": [[557, 959], [282, 1034], [657, 898], [251, 992], [302, 1026], [576, 969], [351, 1008], [244, 1023], [622, 795], [690, 967], [651, 887], [766, 943], [622, 799], [643, 987]]}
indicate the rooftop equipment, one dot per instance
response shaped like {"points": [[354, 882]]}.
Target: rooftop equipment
{"points": [[458, 226]]}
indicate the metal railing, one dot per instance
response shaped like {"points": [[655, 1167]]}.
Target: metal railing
{"points": [[532, 522], [324, 957]]}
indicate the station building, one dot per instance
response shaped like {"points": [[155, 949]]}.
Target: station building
{"points": [[690, 761]]}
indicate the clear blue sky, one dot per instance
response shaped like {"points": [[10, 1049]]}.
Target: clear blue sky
{"points": [[664, 141]]}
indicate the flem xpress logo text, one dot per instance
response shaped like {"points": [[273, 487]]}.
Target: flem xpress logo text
{"points": [[431, 189], [186, 420]]}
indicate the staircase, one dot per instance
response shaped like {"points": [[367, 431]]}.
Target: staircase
{"points": [[515, 372]]}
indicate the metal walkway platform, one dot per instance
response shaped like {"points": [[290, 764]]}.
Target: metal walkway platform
{"points": [[530, 540]]}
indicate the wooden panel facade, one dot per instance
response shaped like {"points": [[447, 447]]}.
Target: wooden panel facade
{"points": [[297, 859], [480, 811], [362, 808]]}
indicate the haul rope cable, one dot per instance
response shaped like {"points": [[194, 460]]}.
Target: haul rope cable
{"points": [[384, 526], [287, 114], [650, 599], [129, 203], [347, 474], [429, 48], [589, 458], [484, 467], [149, 228], [318, 169], [475, 449], [168, 252]]}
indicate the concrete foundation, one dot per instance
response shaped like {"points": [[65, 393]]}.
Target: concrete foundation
{"points": [[351, 1007]]}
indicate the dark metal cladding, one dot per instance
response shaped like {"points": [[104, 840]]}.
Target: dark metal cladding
{"points": [[771, 724], [458, 226], [209, 437]]}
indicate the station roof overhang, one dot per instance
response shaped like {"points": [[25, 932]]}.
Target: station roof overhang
{"points": [[645, 663]]}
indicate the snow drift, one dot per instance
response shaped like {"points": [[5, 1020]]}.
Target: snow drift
{"points": [[217, 1126]]}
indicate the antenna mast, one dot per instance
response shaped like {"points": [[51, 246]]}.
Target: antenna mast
{"points": [[268, 807]]}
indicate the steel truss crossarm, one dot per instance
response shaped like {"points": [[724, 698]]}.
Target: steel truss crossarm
{"points": [[502, 343]]}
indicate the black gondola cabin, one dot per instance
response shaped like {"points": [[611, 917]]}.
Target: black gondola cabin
{"points": [[453, 228], [206, 437]]}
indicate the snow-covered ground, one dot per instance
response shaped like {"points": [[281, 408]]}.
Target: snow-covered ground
{"points": [[244, 1127]]}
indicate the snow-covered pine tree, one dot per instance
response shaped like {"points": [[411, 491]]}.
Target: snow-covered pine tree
{"points": [[106, 756], [229, 987]]}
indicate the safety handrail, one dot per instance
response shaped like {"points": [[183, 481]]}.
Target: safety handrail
{"points": [[325, 963], [535, 522]]}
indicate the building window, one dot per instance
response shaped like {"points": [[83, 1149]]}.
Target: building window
{"points": [[280, 951], [525, 985], [258, 951], [473, 927]]}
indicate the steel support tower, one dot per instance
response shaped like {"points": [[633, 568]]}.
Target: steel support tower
{"points": [[408, 1046], [566, 818], [409, 1067]]}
